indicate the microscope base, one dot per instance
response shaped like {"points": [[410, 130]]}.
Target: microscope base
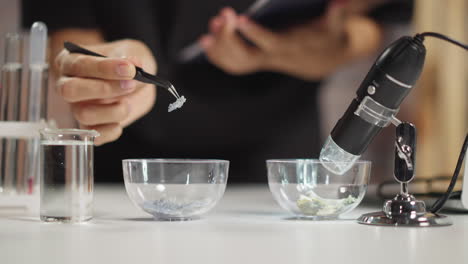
{"points": [[424, 220]]}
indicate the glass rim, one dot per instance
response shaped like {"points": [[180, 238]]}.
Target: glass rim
{"points": [[314, 161], [175, 160], [69, 131]]}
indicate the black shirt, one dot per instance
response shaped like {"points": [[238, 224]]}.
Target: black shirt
{"points": [[245, 119]]}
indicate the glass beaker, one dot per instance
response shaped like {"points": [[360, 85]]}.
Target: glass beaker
{"points": [[67, 175]]}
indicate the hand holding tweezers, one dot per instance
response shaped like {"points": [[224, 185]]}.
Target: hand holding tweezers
{"points": [[140, 75]]}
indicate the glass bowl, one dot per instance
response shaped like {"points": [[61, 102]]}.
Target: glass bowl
{"points": [[175, 189], [306, 188]]}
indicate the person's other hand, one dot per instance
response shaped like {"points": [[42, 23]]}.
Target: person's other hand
{"points": [[101, 91], [308, 51]]}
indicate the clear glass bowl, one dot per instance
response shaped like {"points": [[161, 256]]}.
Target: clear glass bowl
{"points": [[175, 189], [306, 188]]}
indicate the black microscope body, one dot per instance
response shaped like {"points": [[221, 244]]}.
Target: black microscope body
{"points": [[388, 82], [378, 99]]}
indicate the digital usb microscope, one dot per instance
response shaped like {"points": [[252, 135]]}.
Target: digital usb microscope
{"points": [[379, 96]]}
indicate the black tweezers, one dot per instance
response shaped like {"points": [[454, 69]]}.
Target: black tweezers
{"points": [[140, 75]]}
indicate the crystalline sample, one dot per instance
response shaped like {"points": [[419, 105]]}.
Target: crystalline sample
{"points": [[173, 207], [177, 104], [314, 206]]}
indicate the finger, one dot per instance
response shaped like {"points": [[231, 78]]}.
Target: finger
{"points": [[207, 42], [107, 101], [140, 86], [95, 114], [259, 35], [112, 100], [108, 132], [137, 61], [141, 101], [227, 50], [145, 97], [228, 30], [335, 20], [79, 65], [216, 24], [75, 89]]}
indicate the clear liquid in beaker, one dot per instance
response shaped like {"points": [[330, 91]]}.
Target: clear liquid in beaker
{"points": [[67, 181]]}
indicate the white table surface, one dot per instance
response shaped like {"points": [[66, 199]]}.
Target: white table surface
{"points": [[246, 227]]}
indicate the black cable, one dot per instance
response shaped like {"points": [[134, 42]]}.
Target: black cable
{"points": [[456, 195], [441, 201], [440, 36], [387, 194]]}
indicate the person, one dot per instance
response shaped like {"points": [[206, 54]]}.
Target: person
{"points": [[246, 103]]}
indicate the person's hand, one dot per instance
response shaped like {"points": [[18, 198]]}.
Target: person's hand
{"points": [[101, 91], [308, 51]]}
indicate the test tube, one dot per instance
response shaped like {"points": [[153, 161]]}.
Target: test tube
{"points": [[37, 97], [67, 181], [38, 72], [10, 96]]}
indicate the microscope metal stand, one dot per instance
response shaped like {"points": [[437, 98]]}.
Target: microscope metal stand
{"points": [[404, 209]]}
